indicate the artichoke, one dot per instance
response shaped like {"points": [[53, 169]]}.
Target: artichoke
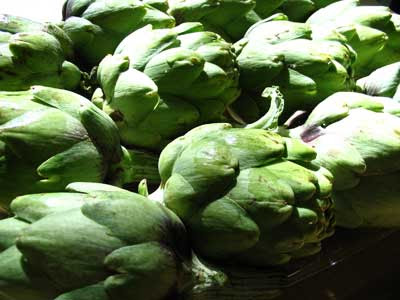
{"points": [[247, 195], [229, 18], [50, 138], [383, 82], [279, 52], [32, 53], [372, 31], [95, 242], [174, 80], [97, 26], [300, 10], [357, 138]]}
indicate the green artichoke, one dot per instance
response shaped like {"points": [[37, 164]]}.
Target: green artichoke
{"points": [[33, 53], [300, 10], [357, 138], [372, 31], [97, 26], [50, 138], [174, 80], [229, 18], [95, 242], [383, 82], [279, 52], [247, 195]]}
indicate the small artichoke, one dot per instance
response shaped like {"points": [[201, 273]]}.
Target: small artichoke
{"points": [[278, 52], [170, 82], [50, 138], [94, 242], [357, 138], [96, 27], [372, 31], [383, 82], [247, 195], [33, 53]]}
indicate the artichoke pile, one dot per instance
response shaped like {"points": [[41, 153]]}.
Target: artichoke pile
{"points": [[51, 137], [373, 32], [96, 27], [173, 81], [221, 137]]}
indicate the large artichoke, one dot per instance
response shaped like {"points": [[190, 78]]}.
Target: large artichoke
{"points": [[160, 83], [97, 26], [33, 53], [357, 138], [95, 242], [50, 138], [372, 31], [247, 195], [383, 82], [281, 53]]}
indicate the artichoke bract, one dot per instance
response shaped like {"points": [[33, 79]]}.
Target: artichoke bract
{"points": [[160, 83], [95, 242], [383, 82], [96, 27], [247, 195], [357, 138], [50, 138], [278, 52], [372, 31], [300, 10], [33, 53]]}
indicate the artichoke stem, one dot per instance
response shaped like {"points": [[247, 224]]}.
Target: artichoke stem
{"points": [[270, 119]]}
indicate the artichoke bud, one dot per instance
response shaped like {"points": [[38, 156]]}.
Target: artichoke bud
{"points": [[120, 254], [52, 137], [360, 142], [234, 195], [35, 56]]}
